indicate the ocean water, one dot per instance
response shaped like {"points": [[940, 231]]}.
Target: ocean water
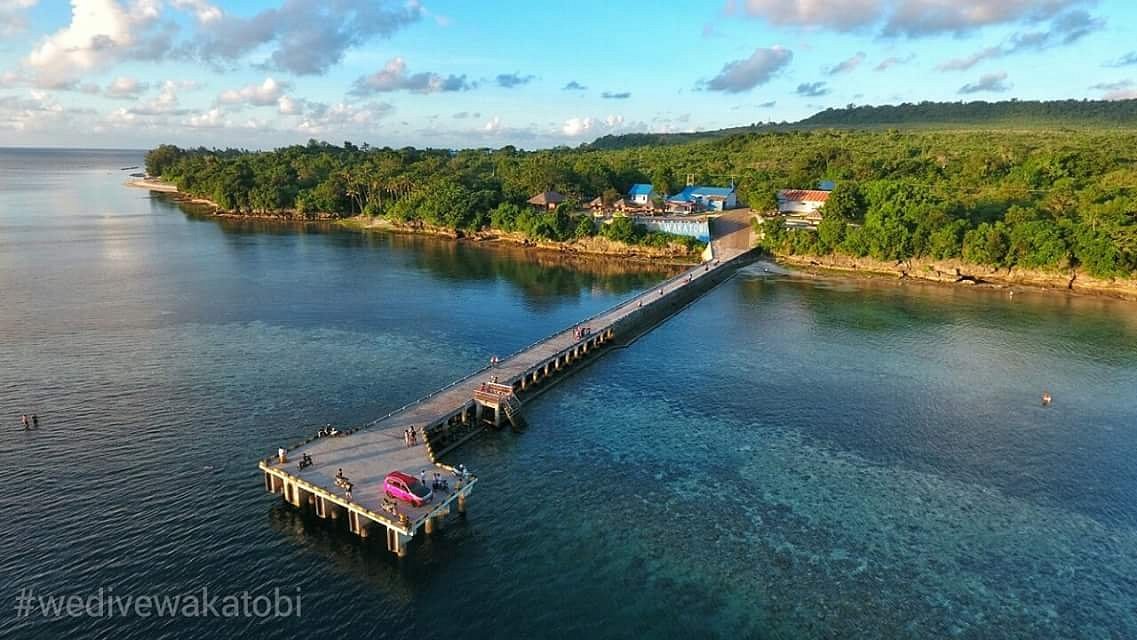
{"points": [[788, 457]]}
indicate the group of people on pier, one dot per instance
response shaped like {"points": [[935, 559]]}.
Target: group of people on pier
{"points": [[29, 423], [440, 483], [328, 430], [581, 332], [410, 436]]}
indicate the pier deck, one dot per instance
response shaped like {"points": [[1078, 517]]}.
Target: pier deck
{"points": [[368, 454]]}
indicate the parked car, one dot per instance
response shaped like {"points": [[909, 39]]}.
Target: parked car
{"points": [[405, 487]]}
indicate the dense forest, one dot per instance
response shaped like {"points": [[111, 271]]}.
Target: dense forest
{"points": [[979, 114], [464, 191], [1050, 200], [1014, 113]]}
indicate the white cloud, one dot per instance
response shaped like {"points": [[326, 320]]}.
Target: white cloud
{"points": [[12, 18], [893, 61], [574, 127], [205, 12], [166, 102], [38, 111], [911, 18], [289, 106], [581, 126], [100, 33], [264, 94], [126, 87], [1064, 30], [394, 77], [305, 36], [321, 118], [850, 64], [493, 126], [207, 119], [988, 82], [842, 15], [744, 75]]}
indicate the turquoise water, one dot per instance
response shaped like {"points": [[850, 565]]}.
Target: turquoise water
{"points": [[787, 458]]}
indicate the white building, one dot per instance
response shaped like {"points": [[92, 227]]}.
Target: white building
{"points": [[801, 201], [641, 194]]}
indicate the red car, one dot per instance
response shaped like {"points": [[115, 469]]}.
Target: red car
{"points": [[405, 487]]}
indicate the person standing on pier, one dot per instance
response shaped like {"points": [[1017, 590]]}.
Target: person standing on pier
{"points": [[24, 421]]}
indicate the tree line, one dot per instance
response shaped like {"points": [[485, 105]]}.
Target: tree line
{"points": [[1042, 199]]}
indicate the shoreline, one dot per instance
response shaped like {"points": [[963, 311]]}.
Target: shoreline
{"points": [[595, 246], [954, 273], [950, 273]]}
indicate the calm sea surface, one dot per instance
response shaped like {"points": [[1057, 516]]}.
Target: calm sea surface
{"points": [[787, 458]]}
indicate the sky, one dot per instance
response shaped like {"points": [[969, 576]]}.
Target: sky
{"points": [[533, 73]]}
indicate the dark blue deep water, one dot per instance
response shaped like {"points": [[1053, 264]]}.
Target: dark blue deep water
{"points": [[787, 458]]}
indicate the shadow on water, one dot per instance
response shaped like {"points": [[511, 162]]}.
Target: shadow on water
{"points": [[541, 277], [368, 560]]}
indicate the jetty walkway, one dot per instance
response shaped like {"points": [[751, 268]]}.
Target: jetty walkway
{"points": [[488, 398]]}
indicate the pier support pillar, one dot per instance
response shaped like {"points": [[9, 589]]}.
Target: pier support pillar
{"points": [[397, 543], [462, 503], [428, 525], [497, 416], [357, 524], [299, 497], [321, 509], [479, 409]]}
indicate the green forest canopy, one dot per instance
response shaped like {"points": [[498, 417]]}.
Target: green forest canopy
{"points": [[1051, 200], [976, 114]]}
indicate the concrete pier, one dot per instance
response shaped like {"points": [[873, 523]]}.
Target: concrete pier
{"points": [[452, 415]]}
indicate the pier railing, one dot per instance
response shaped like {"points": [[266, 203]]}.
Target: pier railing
{"points": [[518, 352], [486, 368]]}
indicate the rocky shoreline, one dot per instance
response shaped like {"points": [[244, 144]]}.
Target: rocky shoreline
{"points": [[958, 273], [594, 246]]}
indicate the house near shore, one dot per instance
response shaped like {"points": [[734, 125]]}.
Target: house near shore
{"points": [[547, 200], [641, 194], [696, 198], [802, 207], [801, 201]]}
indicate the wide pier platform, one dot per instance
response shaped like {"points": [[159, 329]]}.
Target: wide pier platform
{"points": [[488, 398]]}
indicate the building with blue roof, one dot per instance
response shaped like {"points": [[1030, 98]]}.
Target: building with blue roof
{"points": [[695, 198], [641, 194]]}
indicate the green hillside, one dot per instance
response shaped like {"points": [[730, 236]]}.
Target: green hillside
{"points": [[1011, 114]]}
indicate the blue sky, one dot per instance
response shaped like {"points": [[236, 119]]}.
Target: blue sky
{"points": [[452, 73]]}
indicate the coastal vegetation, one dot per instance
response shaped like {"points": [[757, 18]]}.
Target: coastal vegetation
{"points": [[464, 192], [1045, 199]]}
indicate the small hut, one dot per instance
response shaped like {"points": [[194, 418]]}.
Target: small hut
{"points": [[596, 204], [547, 200]]}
